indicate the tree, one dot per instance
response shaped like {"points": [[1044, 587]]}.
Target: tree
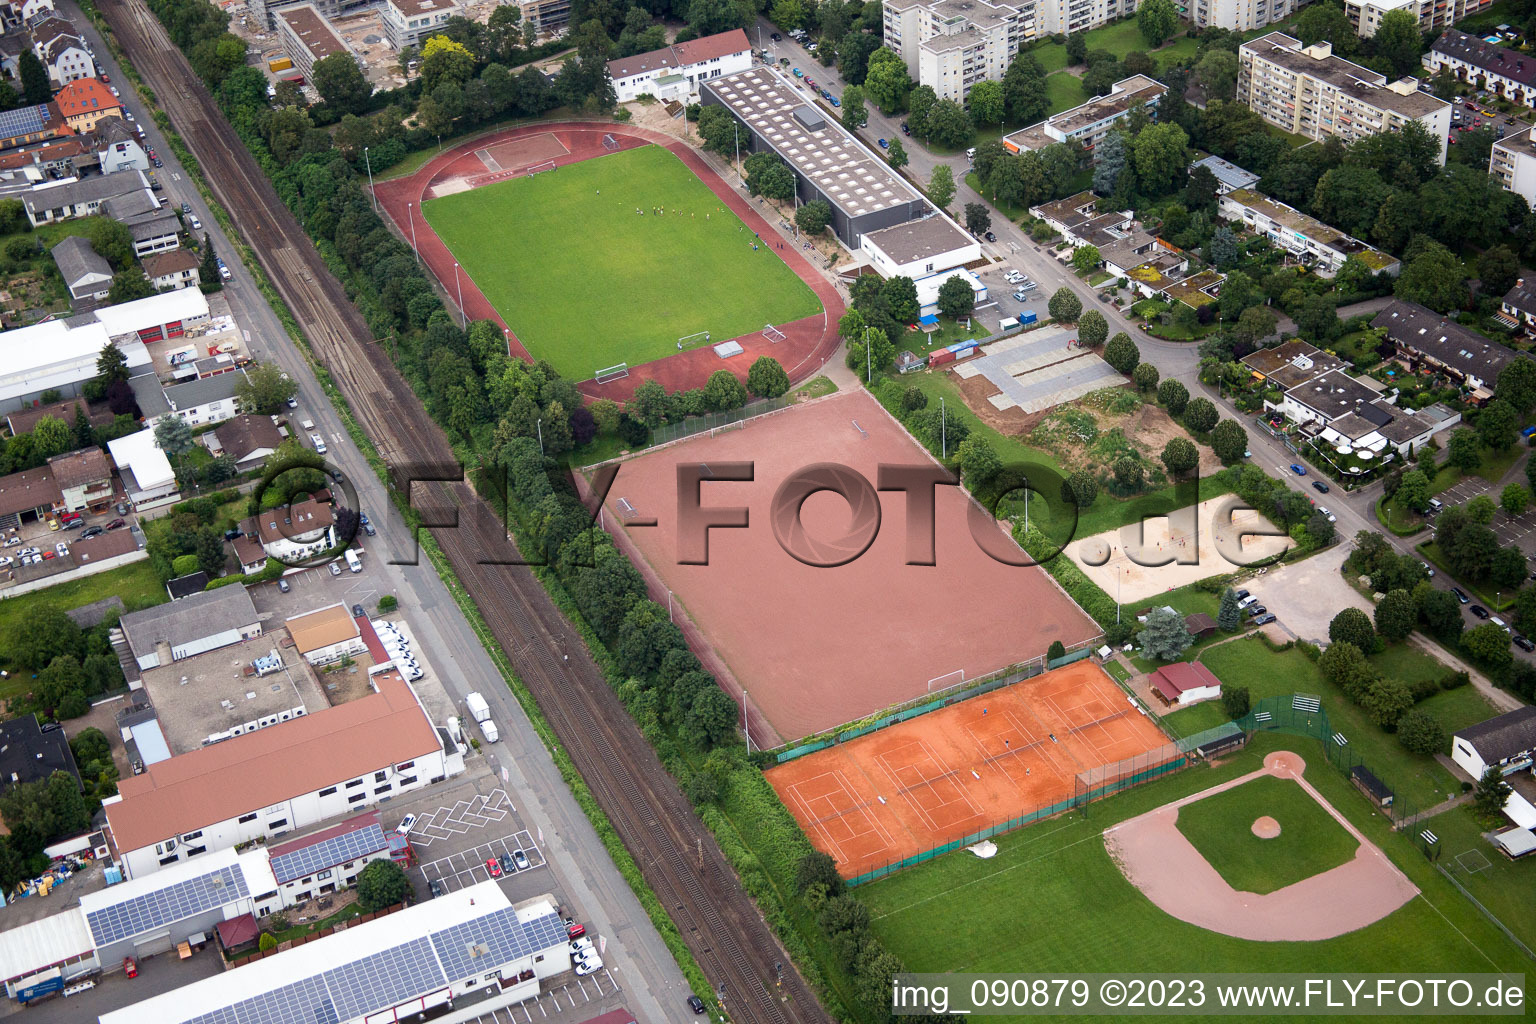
{"points": [[978, 461], [901, 294], [111, 364], [1121, 352], [766, 378], [1110, 163], [1164, 636], [813, 217], [1396, 615], [1200, 415], [941, 186], [35, 86], [1065, 306], [128, 285], [43, 633], [341, 84], [1229, 616], [443, 60], [1497, 270], [208, 270], [1420, 732], [382, 883], [1323, 23], [1024, 92], [1092, 328], [1086, 258], [977, 218], [112, 240], [1160, 155], [855, 113], [1488, 644], [920, 102], [1320, 529], [1180, 455], [1352, 626], [1492, 792], [264, 389], [948, 125], [987, 104], [1080, 489], [1432, 278], [1254, 325], [896, 156], [173, 436], [1217, 72], [1145, 376], [1385, 700], [1413, 491], [1516, 384], [1077, 49], [956, 297], [1498, 425], [886, 80], [711, 719], [1462, 450], [718, 130], [1439, 611], [723, 391], [1229, 440], [818, 869], [1173, 396], [1235, 702], [1398, 42], [1157, 20], [1344, 665]]}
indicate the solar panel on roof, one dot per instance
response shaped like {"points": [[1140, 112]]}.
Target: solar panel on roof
{"points": [[161, 907], [329, 853], [23, 121]]}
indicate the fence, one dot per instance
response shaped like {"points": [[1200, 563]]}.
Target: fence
{"points": [[669, 432], [1297, 715]]}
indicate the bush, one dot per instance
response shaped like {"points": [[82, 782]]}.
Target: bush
{"points": [[1421, 732], [1056, 650], [388, 603], [267, 943]]}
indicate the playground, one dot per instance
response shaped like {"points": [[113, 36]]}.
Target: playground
{"points": [[1217, 536], [817, 646], [931, 780], [617, 257]]}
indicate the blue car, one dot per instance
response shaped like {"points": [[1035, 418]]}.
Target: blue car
{"points": [[1298, 470], [884, 144]]}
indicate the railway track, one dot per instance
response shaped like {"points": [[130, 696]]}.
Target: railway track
{"points": [[677, 856]]}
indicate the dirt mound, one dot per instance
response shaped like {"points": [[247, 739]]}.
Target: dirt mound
{"points": [[1266, 827]]}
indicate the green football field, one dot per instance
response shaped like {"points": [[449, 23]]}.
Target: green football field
{"points": [[1052, 899], [586, 282]]}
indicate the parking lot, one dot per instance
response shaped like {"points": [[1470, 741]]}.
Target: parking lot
{"points": [[568, 1001], [1520, 531], [470, 866], [444, 823], [1000, 302]]}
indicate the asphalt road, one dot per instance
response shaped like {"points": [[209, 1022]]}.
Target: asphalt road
{"points": [[655, 986], [1177, 360]]}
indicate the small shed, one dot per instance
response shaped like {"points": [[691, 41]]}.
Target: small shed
{"points": [[1200, 625], [1516, 843], [237, 931], [1366, 782], [908, 361], [1184, 683]]}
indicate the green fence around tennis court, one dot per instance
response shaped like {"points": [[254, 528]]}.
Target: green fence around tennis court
{"points": [[668, 432], [1298, 714]]}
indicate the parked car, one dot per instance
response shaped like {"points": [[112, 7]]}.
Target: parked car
{"points": [[989, 236], [335, 568], [1478, 611], [437, 887], [1429, 570], [186, 207], [1256, 610], [1020, 296], [406, 824], [1524, 644], [776, 37], [586, 967], [1320, 487], [906, 129], [94, 531], [197, 225], [506, 864], [1244, 602], [1027, 285], [358, 613], [1328, 515], [48, 554], [884, 144], [1263, 620], [1240, 594], [62, 548], [695, 1003], [283, 586], [1012, 276], [493, 867], [1299, 470], [797, 73], [1461, 595], [574, 930], [318, 442], [520, 859]]}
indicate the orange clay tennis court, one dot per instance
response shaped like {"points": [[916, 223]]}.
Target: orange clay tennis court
{"points": [[952, 772]]}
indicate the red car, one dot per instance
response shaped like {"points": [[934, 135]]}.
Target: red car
{"points": [[118, 524], [493, 867], [104, 78]]}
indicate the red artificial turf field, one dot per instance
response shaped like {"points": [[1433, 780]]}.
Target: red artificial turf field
{"points": [[816, 647]]}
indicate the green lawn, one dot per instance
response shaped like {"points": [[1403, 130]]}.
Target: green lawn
{"points": [[1065, 90], [545, 247], [1053, 900], [1310, 841], [1498, 885], [1417, 778]]}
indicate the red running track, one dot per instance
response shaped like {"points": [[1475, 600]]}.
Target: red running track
{"points": [[807, 344]]}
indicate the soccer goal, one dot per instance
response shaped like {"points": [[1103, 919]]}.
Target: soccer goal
{"points": [[772, 333], [547, 165], [610, 143], [688, 340], [613, 372]]}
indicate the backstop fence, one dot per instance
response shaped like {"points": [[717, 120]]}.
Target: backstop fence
{"points": [[1298, 714], [668, 432]]}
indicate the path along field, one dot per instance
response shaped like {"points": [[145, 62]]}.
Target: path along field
{"points": [[817, 647], [585, 281], [934, 779], [1052, 899]]}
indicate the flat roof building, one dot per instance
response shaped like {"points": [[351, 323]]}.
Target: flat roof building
{"points": [[1366, 15], [287, 776], [1308, 91], [1241, 15], [1513, 162], [308, 37], [920, 247], [1303, 236], [1087, 124], [415, 961], [146, 473], [950, 45], [409, 22], [829, 164], [195, 625], [1228, 175]]}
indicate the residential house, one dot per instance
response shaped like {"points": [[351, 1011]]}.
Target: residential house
{"points": [[1517, 310], [84, 479], [250, 554], [1512, 161], [1306, 90], [147, 477], [295, 531], [87, 276], [63, 51], [18, 13], [409, 22], [171, 270], [673, 72], [1087, 124], [29, 495], [1508, 74], [125, 196], [1241, 15], [307, 37], [1366, 15], [247, 439], [85, 103], [1426, 338], [118, 148], [1306, 238]]}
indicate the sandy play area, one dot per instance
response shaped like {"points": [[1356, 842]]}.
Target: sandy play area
{"points": [[1214, 537]]}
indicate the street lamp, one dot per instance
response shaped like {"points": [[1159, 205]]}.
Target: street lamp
{"points": [[412, 218], [369, 163], [943, 431], [540, 427], [463, 317], [869, 364]]}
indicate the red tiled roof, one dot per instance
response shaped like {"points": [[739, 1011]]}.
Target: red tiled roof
{"points": [[85, 96], [265, 767], [237, 931], [710, 47], [1172, 680]]}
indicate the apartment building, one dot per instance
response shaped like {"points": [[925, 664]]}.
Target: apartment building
{"points": [[308, 37], [1366, 15], [1304, 237], [1088, 124], [1308, 91], [1513, 162], [953, 44], [1241, 15], [410, 22], [1508, 73]]}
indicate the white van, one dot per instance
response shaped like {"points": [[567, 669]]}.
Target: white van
{"points": [[353, 562], [970, 154]]}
